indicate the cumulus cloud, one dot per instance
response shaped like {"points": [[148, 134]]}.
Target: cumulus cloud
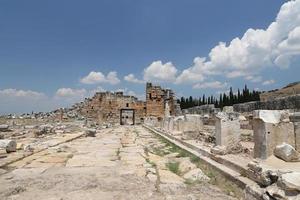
{"points": [[131, 78], [245, 56], [158, 71], [255, 50], [16, 101], [21, 94], [213, 85], [70, 93], [268, 82], [98, 77]]}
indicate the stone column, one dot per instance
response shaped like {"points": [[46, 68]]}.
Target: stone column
{"points": [[295, 118], [227, 129], [271, 128]]}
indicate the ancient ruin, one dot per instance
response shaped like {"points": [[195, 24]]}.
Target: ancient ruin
{"points": [[156, 146]]}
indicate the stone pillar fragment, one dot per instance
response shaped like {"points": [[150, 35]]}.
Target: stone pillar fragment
{"points": [[227, 129], [271, 128], [295, 118]]}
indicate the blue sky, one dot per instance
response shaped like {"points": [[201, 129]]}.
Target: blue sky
{"points": [[54, 53]]}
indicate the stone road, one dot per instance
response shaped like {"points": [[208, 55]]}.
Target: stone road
{"points": [[116, 164]]}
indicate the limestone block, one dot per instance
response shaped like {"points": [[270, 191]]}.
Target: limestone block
{"points": [[271, 128], [290, 181], [90, 132], [4, 127], [192, 122], [8, 145], [227, 129], [286, 152], [297, 136], [228, 109], [179, 123], [295, 118]]}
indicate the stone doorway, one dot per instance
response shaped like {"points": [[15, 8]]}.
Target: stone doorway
{"points": [[127, 117]]}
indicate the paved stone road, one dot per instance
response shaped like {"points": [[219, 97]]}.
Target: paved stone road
{"points": [[114, 165]]}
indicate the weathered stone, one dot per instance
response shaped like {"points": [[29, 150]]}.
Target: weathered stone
{"points": [[90, 132], [4, 127], [218, 150], [186, 165], [28, 148], [270, 131], [228, 109], [20, 146], [275, 192], [290, 181], [196, 175], [286, 152], [193, 122], [260, 175], [227, 129], [8, 145]]}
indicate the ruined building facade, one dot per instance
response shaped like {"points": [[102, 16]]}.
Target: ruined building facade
{"points": [[114, 108], [160, 102], [117, 108]]}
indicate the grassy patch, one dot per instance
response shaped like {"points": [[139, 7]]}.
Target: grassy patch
{"points": [[216, 178], [159, 151], [173, 167], [151, 163]]}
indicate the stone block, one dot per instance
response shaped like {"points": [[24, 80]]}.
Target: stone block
{"points": [[228, 109], [8, 145], [271, 128], [179, 123], [192, 122], [295, 118], [227, 129], [297, 136], [4, 127], [286, 152]]}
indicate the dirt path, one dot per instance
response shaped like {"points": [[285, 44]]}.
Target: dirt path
{"points": [[125, 163]]}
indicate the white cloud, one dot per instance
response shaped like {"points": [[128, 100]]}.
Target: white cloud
{"points": [[70, 93], [213, 85], [21, 94], [254, 79], [99, 77], [257, 49], [17, 101], [158, 71], [131, 78], [268, 82], [194, 73]]}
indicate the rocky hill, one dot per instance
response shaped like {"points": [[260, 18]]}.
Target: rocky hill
{"points": [[290, 89]]}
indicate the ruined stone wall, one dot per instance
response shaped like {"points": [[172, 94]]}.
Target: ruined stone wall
{"points": [[202, 110], [156, 99], [106, 107], [291, 102]]}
